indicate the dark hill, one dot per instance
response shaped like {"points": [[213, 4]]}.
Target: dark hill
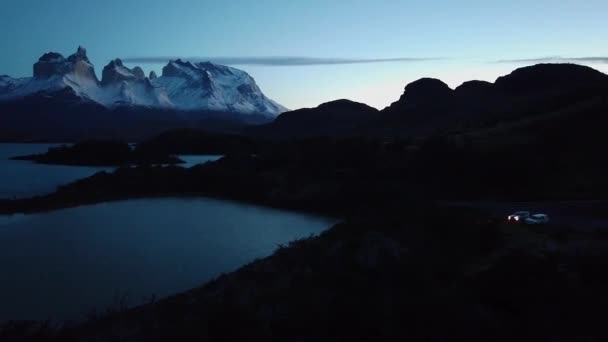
{"points": [[194, 141], [551, 77], [475, 88], [429, 107], [422, 94], [333, 119]]}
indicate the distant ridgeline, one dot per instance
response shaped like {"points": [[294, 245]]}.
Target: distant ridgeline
{"points": [[535, 95], [64, 100]]}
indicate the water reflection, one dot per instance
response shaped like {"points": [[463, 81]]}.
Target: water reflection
{"points": [[63, 264]]}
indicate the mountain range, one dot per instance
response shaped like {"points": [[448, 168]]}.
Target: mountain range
{"points": [[199, 94], [64, 100]]}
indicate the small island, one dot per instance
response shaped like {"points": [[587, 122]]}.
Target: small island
{"points": [[100, 153]]}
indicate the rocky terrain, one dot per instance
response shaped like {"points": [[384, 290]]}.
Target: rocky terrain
{"points": [[125, 104]]}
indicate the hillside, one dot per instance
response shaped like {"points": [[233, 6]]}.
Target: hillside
{"points": [[428, 107]]}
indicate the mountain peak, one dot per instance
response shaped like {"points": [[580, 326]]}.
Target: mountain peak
{"points": [[54, 64], [475, 88], [423, 92], [179, 68], [116, 71], [427, 85], [184, 86], [336, 118], [139, 73], [49, 64], [549, 76], [344, 104], [80, 55], [115, 63], [217, 87], [215, 68], [51, 57]]}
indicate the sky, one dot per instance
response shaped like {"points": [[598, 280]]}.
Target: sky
{"points": [[454, 41]]}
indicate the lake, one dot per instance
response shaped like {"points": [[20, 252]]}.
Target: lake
{"points": [[65, 264], [19, 178]]}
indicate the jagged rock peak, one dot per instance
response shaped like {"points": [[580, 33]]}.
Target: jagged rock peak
{"points": [[115, 63], [51, 63], [54, 64], [187, 87], [215, 68], [138, 72], [80, 55], [116, 71], [51, 57], [177, 68]]}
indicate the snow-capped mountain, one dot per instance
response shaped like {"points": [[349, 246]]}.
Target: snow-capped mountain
{"points": [[212, 86], [183, 86]]}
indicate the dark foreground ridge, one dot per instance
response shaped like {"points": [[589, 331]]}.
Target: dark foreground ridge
{"points": [[421, 273], [399, 266]]}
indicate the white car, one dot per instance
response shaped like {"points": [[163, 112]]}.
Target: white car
{"points": [[537, 219], [519, 216]]}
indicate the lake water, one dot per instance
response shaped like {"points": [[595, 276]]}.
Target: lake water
{"points": [[20, 178], [63, 265], [191, 160]]}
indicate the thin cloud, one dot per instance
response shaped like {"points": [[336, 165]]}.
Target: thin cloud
{"points": [[276, 61], [558, 59]]}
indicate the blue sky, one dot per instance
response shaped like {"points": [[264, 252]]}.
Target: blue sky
{"points": [[469, 35]]}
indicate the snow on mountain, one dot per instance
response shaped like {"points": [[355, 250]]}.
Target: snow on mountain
{"points": [[213, 86], [183, 85], [123, 86], [8, 84], [116, 72]]}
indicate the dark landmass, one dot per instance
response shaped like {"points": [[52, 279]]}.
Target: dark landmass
{"points": [[539, 160], [100, 153], [66, 117], [428, 107], [416, 257], [341, 118], [193, 141]]}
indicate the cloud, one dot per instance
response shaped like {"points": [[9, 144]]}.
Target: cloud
{"points": [[558, 59], [276, 61]]}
